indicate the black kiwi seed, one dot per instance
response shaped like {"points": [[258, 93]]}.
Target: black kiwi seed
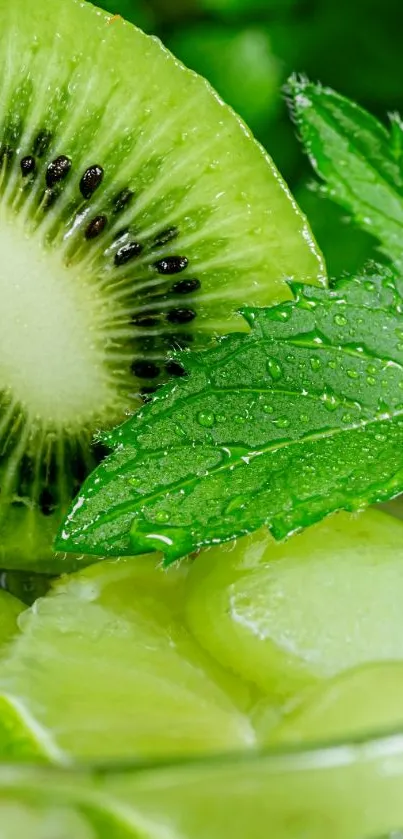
{"points": [[145, 369], [26, 475], [186, 286], [122, 200], [165, 236], [95, 227], [28, 165], [100, 450], [57, 170], [78, 467], [47, 502], [181, 315], [172, 264], [143, 320], [42, 143], [175, 369], [127, 252], [91, 180], [147, 392]]}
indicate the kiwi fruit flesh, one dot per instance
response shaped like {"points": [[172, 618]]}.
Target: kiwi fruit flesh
{"points": [[137, 216]]}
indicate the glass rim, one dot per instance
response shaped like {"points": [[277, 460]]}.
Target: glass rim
{"points": [[321, 753]]}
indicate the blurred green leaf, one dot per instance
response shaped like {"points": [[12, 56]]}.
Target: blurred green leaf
{"points": [[248, 7], [346, 248], [239, 63]]}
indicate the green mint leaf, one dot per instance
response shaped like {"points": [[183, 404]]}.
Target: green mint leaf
{"points": [[359, 160], [301, 417]]}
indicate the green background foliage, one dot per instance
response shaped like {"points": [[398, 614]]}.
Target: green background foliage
{"points": [[248, 48]]}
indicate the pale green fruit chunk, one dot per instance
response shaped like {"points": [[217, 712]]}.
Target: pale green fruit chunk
{"points": [[284, 616], [361, 702], [105, 669]]}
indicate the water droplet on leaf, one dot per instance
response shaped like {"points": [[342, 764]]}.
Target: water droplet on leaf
{"points": [[162, 516], [274, 369], [282, 422], [206, 419], [330, 400]]}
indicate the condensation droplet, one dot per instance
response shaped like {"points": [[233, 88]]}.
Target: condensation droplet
{"points": [[282, 422], [340, 320], [206, 419], [330, 400], [162, 516], [315, 363], [371, 380], [274, 369]]}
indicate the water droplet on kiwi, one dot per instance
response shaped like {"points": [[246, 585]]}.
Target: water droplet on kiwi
{"points": [[206, 419]]}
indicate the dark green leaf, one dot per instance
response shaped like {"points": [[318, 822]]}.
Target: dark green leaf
{"points": [[357, 157], [301, 417]]}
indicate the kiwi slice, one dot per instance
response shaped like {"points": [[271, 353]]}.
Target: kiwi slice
{"points": [[137, 215]]}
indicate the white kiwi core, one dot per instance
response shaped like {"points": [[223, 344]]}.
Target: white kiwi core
{"points": [[53, 346]]}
